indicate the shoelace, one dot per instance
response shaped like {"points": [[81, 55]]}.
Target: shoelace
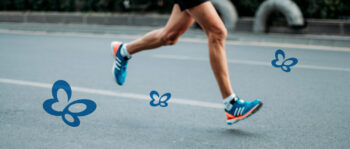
{"points": [[235, 99], [123, 64], [123, 68]]}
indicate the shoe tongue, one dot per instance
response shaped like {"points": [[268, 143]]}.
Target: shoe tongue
{"points": [[241, 101], [236, 98]]}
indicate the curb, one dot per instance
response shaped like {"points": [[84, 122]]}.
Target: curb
{"points": [[85, 18], [315, 26]]}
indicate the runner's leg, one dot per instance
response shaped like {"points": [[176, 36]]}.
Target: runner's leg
{"points": [[206, 15], [177, 24]]}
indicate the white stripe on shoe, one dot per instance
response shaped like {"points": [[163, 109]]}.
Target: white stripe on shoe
{"points": [[118, 59], [116, 66], [117, 63], [242, 111], [237, 109]]}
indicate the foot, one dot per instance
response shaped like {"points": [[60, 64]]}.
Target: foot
{"points": [[120, 63], [241, 109]]}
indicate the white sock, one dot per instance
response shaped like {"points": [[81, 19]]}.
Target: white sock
{"points": [[124, 52], [228, 99]]}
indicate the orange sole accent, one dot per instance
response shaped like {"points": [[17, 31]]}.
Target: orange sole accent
{"points": [[116, 47], [230, 117]]}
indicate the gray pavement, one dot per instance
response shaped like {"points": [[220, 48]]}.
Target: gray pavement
{"points": [[305, 108]]}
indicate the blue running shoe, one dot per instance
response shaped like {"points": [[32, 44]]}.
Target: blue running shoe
{"points": [[240, 109], [120, 63]]}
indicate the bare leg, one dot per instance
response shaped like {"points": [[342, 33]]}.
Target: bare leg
{"points": [[206, 15], [177, 24]]}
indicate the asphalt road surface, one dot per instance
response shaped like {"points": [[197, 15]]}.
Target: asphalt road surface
{"points": [[305, 108]]}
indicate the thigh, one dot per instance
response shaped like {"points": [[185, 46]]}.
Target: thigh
{"points": [[206, 15], [179, 21]]}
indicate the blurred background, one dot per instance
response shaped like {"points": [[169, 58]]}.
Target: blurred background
{"points": [[330, 16], [320, 9]]}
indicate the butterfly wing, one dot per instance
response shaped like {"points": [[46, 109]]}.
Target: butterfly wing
{"points": [[285, 68], [163, 100], [90, 107], [154, 98], [74, 123], [289, 63], [279, 57], [61, 84], [47, 105]]}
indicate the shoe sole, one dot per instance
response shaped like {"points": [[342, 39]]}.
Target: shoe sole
{"points": [[230, 122]]}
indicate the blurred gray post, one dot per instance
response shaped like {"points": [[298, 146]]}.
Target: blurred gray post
{"points": [[288, 8], [227, 13]]}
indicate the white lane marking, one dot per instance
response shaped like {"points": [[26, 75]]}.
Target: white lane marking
{"points": [[289, 45], [191, 40], [273, 44], [260, 63], [114, 94]]}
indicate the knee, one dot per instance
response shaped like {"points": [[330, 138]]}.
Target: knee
{"points": [[169, 37], [217, 34]]}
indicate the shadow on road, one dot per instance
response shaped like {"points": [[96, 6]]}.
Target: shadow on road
{"points": [[240, 133]]}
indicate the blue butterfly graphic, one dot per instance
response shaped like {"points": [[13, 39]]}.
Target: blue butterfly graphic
{"points": [[161, 101], [47, 105], [280, 61]]}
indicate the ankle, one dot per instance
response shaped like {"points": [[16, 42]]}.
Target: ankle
{"points": [[228, 101], [124, 51]]}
